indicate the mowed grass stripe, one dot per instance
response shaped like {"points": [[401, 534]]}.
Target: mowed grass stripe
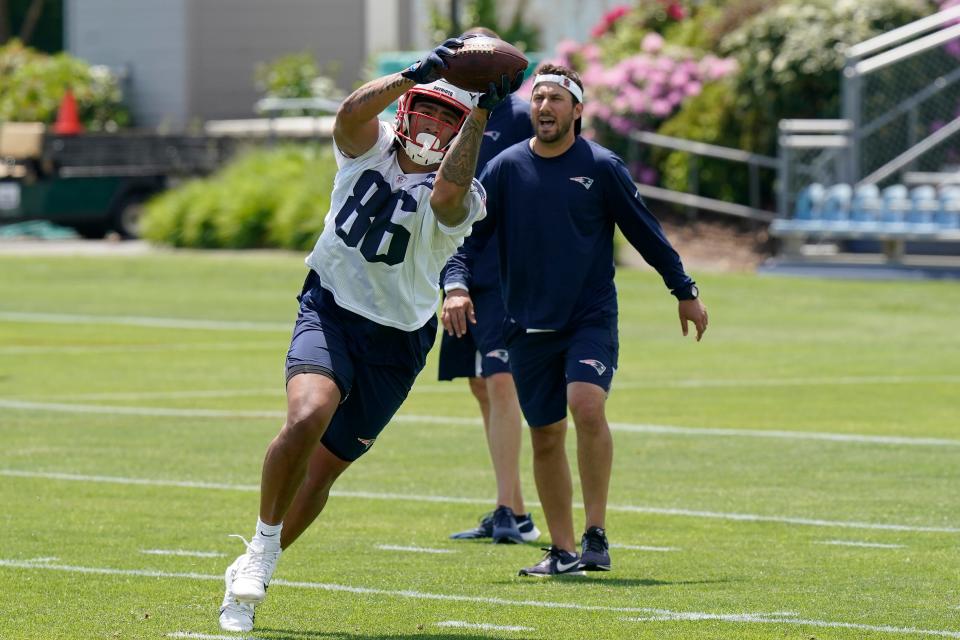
{"points": [[913, 441], [372, 495], [653, 614]]}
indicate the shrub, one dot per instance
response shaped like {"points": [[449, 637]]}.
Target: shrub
{"points": [[265, 198], [32, 84], [790, 60], [792, 56]]}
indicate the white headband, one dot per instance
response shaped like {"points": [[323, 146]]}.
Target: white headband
{"points": [[563, 81]]}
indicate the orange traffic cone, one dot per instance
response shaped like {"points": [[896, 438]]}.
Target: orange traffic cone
{"points": [[68, 122]]}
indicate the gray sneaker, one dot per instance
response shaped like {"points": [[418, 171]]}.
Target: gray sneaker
{"points": [[483, 530], [557, 562], [505, 530], [595, 551]]}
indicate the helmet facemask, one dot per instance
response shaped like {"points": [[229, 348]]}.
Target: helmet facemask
{"points": [[426, 149]]}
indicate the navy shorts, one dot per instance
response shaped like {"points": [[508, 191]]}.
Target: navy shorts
{"points": [[544, 363], [482, 352], [373, 365]]}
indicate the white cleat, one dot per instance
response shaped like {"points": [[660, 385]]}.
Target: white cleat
{"points": [[234, 616], [252, 573]]}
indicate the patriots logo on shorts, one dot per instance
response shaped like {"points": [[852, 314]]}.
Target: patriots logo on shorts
{"points": [[493, 134], [367, 443], [585, 181], [500, 354], [596, 364]]}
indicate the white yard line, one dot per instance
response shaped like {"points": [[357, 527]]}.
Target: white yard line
{"points": [[822, 381], [703, 432], [394, 547], [787, 382], [854, 543], [59, 407], [454, 388], [144, 321], [173, 395], [181, 552], [483, 626], [207, 636], [135, 348], [752, 618], [853, 438], [401, 497], [647, 612], [638, 547]]}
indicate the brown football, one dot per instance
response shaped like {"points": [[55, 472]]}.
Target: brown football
{"points": [[482, 60]]}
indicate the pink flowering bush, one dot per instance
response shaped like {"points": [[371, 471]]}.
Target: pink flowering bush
{"points": [[952, 47], [634, 79], [642, 90]]}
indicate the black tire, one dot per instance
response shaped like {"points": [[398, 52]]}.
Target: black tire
{"points": [[127, 213], [91, 231]]}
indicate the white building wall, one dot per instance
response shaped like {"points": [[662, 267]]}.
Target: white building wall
{"points": [[194, 60], [229, 37], [143, 39]]}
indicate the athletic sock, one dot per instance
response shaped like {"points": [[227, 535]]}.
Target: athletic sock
{"points": [[267, 536]]}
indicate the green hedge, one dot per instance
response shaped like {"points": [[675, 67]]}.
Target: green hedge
{"points": [[265, 198]]}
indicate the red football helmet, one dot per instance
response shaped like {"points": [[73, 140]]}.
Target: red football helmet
{"points": [[426, 149]]}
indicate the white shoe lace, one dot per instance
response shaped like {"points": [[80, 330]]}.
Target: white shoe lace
{"points": [[258, 565]]}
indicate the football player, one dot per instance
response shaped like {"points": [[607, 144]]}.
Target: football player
{"points": [[481, 356], [403, 199], [553, 202]]}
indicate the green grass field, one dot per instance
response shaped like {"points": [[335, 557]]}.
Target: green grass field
{"points": [[795, 475]]}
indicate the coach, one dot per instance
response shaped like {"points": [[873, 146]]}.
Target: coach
{"points": [[553, 202]]}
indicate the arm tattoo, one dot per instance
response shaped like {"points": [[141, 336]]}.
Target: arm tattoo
{"points": [[460, 163], [372, 90]]}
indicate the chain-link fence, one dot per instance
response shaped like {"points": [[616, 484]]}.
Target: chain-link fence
{"points": [[899, 90]]}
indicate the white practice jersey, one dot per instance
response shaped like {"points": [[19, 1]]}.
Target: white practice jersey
{"points": [[382, 247]]}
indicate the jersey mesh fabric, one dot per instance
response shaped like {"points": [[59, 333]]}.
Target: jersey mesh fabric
{"points": [[382, 247]]}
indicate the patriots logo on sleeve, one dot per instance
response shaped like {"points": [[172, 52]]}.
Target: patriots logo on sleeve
{"points": [[495, 135], [367, 443], [596, 364], [586, 182]]}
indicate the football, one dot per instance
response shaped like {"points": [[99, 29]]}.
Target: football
{"points": [[482, 60]]}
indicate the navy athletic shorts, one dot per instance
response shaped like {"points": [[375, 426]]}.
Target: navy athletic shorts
{"points": [[543, 363], [373, 365], [482, 352]]}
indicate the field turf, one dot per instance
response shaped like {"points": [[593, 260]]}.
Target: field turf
{"points": [[795, 475]]}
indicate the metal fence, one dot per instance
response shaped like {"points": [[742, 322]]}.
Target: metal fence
{"points": [[811, 151], [900, 90], [756, 166]]}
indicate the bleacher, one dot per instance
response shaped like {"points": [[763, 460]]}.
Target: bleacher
{"points": [[882, 179], [893, 215]]}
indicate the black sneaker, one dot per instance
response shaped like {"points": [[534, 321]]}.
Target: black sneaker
{"points": [[505, 529], [483, 530], [557, 562], [528, 530], [595, 554]]}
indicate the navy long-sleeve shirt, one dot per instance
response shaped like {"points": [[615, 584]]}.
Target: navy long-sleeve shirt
{"points": [[554, 219], [509, 123]]}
